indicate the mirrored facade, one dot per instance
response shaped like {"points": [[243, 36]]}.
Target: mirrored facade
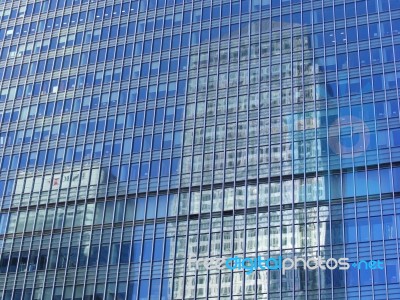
{"points": [[137, 134]]}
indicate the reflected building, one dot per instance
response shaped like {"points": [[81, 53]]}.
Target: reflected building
{"points": [[137, 134]]}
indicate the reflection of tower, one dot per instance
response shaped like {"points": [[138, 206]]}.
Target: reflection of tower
{"points": [[313, 234]]}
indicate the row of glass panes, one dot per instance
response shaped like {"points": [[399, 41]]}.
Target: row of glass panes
{"points": [[97, 150], [68, 62], [360, 184], [108, 12], [117, 76], [330, 63], [365, 84], [160, 115], [126, 8], [97, 125], [327, 14], [207, 13], [371, 213], [159, 141], [373, 228], [218, 160], [206, 35], [72, 257], [364, 112], [227, 243], [165, 66], [224, 286], [147, 118], [65, 107], [88, 80], [104, 34], [204, 15], [37, 8]]}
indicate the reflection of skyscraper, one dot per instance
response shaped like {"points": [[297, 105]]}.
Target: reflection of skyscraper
{"points": [[136, 134]]}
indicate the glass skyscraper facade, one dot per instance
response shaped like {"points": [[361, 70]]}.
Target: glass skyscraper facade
{"points": [[137, 134]]}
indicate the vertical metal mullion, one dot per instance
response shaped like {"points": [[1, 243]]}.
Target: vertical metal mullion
{"points": [[198, 52], [395, 223]]}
